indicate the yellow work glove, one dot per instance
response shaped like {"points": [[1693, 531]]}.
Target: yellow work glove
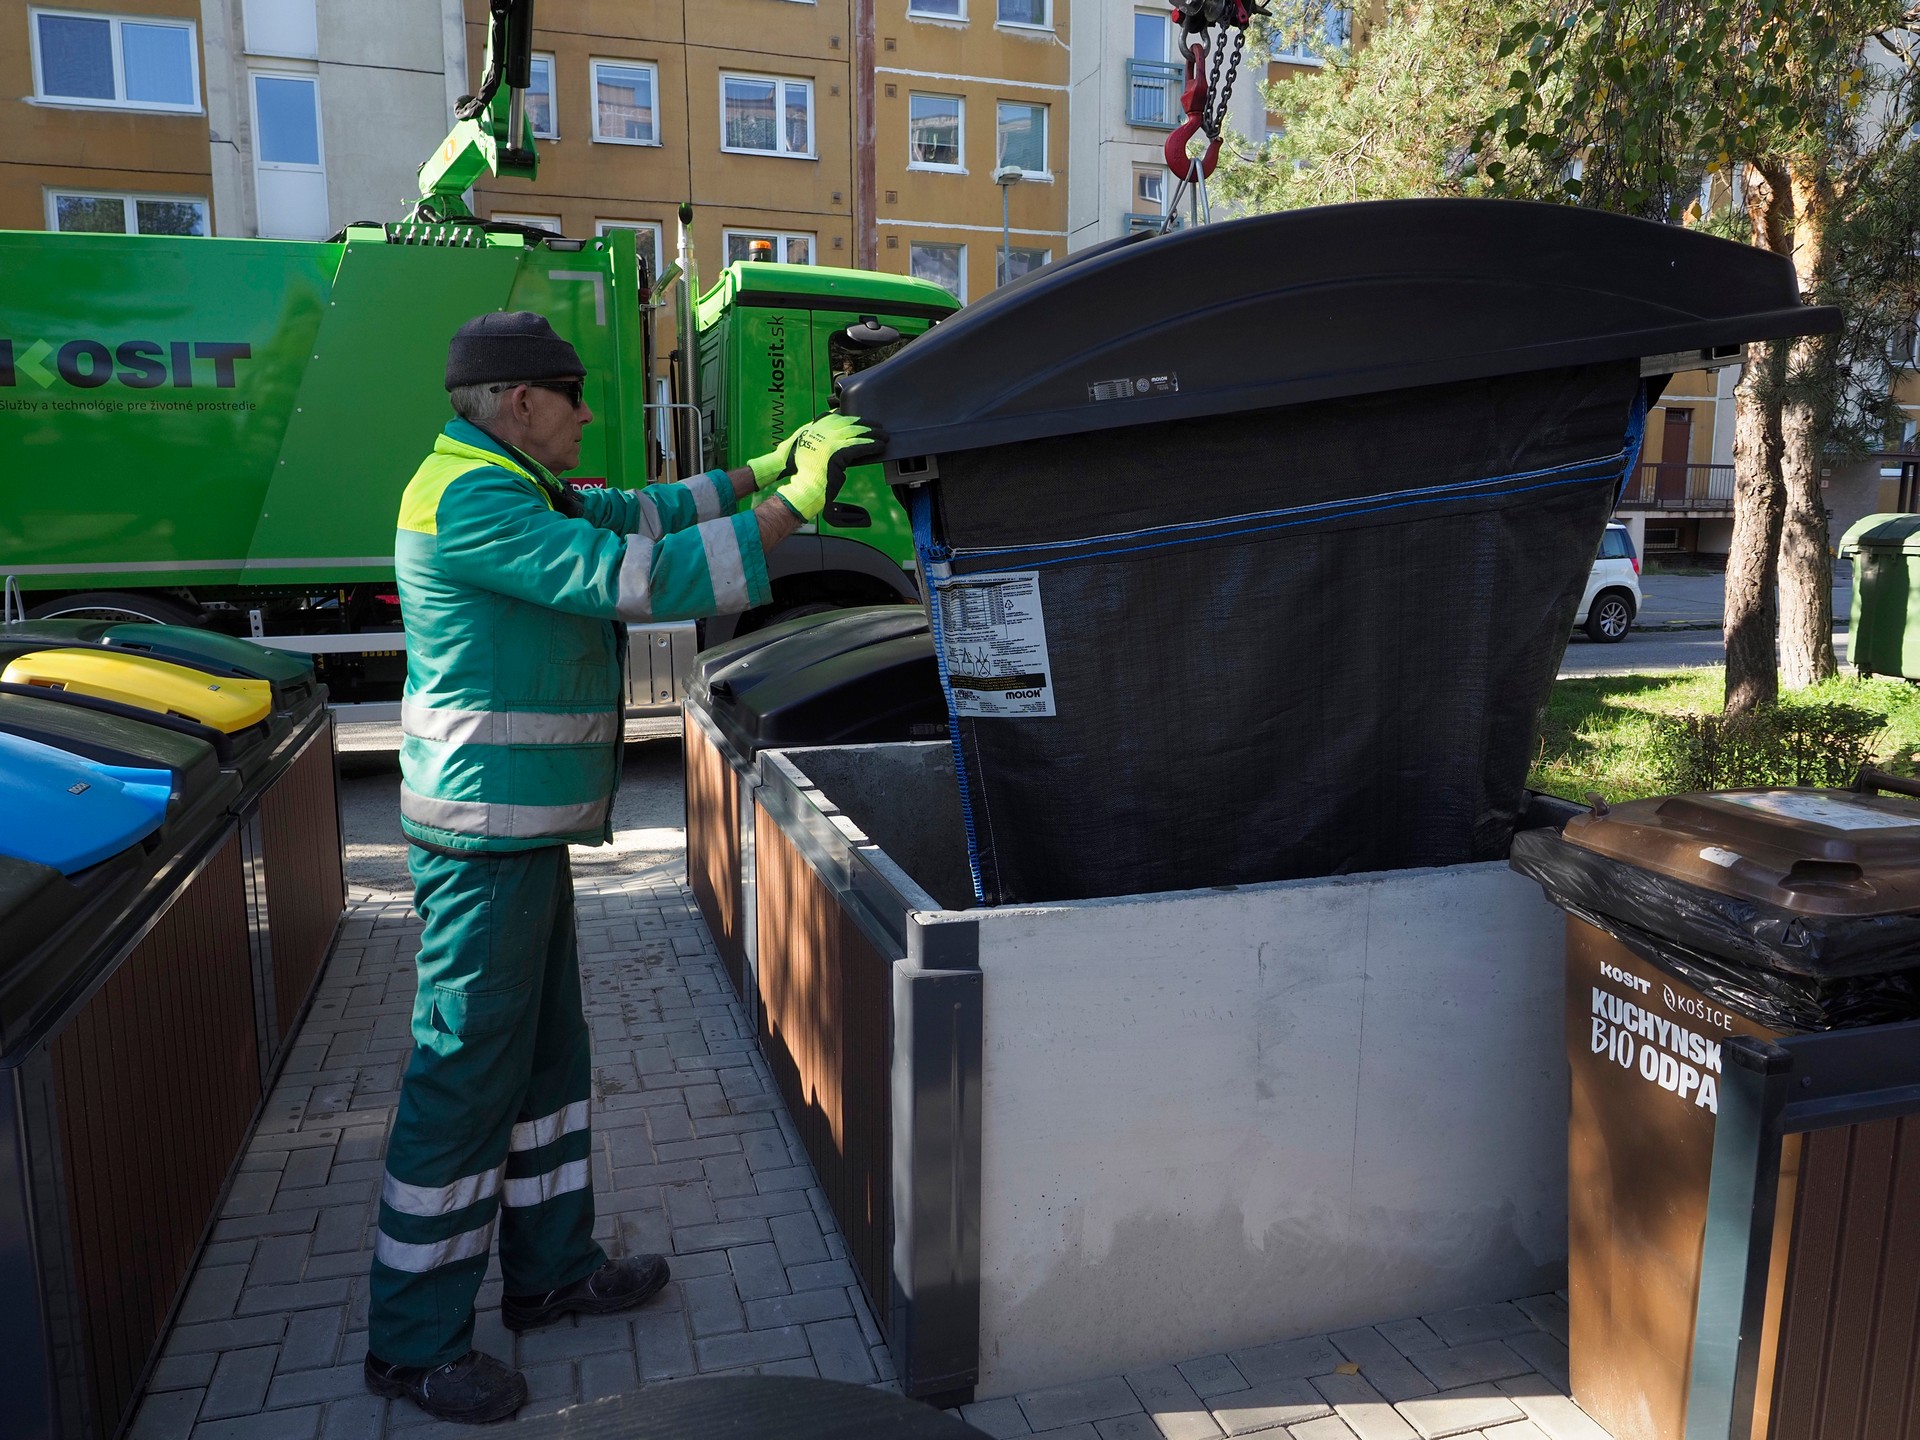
{"points": [[822, 451], [775, 463]]}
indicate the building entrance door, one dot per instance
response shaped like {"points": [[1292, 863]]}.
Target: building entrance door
{"points": [[1676, 446]]}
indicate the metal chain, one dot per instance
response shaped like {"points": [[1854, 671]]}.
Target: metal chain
{"points": [[1218, 95]]}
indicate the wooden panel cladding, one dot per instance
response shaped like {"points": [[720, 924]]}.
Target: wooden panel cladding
{"points": [[713, 848], [156, 1079], [826, 1025], [306, 886], [1848, 1366]]}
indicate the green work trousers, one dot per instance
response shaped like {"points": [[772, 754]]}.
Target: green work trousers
{"points": [[492, 1122]]}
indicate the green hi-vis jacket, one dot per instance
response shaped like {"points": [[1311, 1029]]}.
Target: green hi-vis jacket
{"points": [[513, 713]]}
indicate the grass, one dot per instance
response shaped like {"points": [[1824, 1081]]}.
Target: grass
{"points": [[1596, 730]]}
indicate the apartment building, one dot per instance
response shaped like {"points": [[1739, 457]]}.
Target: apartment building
{"points": [[885, 134], [280, 118], [1128, 73], [745, 108], [320, 113], [971, 141], [108, 121]]}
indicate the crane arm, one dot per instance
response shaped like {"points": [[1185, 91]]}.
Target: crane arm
{"points": [[492, 133]]}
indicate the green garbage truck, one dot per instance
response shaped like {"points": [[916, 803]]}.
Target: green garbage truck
{"points": [[216, 431]]}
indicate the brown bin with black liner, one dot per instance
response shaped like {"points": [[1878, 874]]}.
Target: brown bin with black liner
{"points": [[1691, 919]]}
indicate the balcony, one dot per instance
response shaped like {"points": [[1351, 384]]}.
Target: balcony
{"points": [[1153, 93], [1704, 489]]}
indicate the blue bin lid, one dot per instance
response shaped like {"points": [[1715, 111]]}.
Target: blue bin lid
{"points": [[68, 812]]}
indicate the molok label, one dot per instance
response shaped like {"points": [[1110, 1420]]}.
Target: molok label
{"points": [[994, 635], [1134, 387]]}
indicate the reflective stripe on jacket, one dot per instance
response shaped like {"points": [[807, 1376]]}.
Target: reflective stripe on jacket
{"points": [[512, 718]]}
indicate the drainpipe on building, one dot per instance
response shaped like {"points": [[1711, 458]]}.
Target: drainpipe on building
{"points": [[866, 222]]}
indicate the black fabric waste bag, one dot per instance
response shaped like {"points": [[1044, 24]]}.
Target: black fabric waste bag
{"points": [[1303, 641]]}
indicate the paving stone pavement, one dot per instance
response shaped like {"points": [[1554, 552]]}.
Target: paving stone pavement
{"points": [[695, 1156], [1486, 1372]]}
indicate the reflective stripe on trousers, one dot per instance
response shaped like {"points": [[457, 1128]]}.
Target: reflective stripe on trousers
{"points": [[532, 1134], [563, 1179], [440, 1199], [418, 1259]]}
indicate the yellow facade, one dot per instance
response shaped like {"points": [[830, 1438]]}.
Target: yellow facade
{"points": [[844, 200], [113, 141], [592, 174], [954, 211]]}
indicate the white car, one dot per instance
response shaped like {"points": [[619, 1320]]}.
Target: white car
{"points": [[1613, 588]]}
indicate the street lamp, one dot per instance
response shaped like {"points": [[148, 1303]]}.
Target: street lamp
{"points": [[1006, 177]]}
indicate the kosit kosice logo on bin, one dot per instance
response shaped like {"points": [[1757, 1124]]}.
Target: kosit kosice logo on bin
{"points": [[88, 364]]}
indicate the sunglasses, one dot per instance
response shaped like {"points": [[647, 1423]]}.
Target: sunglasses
{"points": [[574, 391]]}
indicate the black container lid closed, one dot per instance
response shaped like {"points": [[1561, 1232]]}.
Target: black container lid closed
{"points": [[1312, 304], [860, 676]]}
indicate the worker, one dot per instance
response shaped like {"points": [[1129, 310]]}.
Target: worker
{"points": [[514, 587]]}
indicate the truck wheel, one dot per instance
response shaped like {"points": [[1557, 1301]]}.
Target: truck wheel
{"points": [[116, 605]]}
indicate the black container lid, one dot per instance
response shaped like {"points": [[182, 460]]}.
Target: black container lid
{"points": [[1314, 304], [861, 676], [724, 674]]}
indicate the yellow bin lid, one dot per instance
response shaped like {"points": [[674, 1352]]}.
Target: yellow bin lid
{"points": [[216, 701]]}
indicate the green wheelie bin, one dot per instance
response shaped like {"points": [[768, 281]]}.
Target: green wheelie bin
{"points": [[1883, 632]]}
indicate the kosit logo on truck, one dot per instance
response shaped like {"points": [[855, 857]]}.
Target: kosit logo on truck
{"points": [[88, 364]]}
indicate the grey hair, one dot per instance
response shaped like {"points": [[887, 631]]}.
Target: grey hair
{"points": [[479, 403]]}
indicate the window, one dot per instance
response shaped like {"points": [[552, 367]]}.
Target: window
{"points": [[106, 60], [944, 265], [1024, 12], [765, 116], [1154, 36], [1023, 137], [785, 249], [538, 222], [623, 103], [1149, 190], [1012, 264], [540, 98], [286, 119], [1313, 43], [939, 9], [646, 241], [934, 125], [290, 179], [69, 210]]}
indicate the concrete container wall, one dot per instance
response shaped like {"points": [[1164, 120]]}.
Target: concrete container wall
{"points": [[1214, 1118], [1218, 1118]]}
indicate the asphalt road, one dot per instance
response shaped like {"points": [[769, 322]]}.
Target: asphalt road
{"points": [[1643, 651], [1682, 600]]}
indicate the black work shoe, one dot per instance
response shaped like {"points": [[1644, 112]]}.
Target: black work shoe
{"points": [[616, 1285], [472, 1390]]}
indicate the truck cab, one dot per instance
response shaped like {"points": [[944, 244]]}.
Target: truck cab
{"points": [[770, 343]]}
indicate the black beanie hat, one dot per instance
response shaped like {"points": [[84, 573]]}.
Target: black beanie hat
{"points": [[509, 345]]}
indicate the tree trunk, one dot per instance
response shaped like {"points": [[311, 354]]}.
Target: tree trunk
{"points": [[1751, 625], [1752, 617], [1806, 567]]}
